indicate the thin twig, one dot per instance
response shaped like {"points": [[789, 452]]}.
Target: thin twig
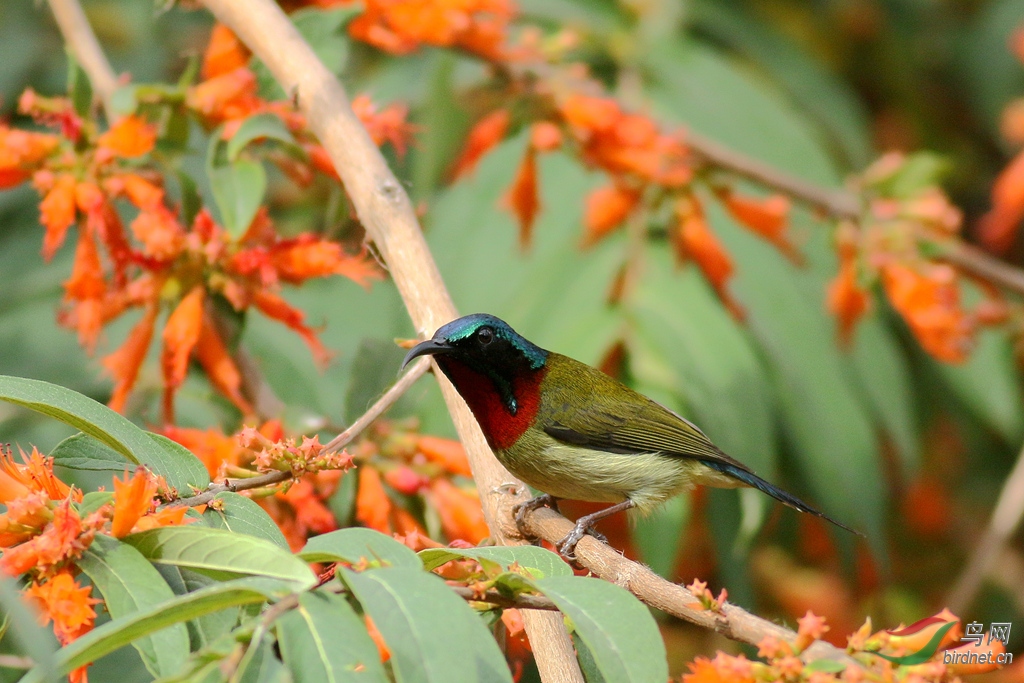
{"points": [[835, 202], [1006, 517], [16, 662], [418, 369], [336, 444], [522, 601], [79, 36]]}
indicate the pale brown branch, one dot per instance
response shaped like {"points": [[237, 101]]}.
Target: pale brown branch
{"points": [[1006, 517], [834, 202], [77, 33], [385, 210], [604, 561], [378, 408]]}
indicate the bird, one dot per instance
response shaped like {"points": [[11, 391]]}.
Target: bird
{"points": [[571, 431]]}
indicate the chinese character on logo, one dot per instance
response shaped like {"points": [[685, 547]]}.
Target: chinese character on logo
{"points": [[1000, 632], [974, 632]]}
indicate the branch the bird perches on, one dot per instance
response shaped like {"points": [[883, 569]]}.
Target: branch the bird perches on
{"points": [[385, 210]]}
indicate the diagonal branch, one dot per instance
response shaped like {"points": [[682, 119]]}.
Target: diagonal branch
{"points": [[1006, 517], [75, 29], [336, 444], [385, 210]]}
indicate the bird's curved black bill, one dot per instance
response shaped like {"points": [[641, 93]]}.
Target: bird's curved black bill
{"points": [[425, 348]]}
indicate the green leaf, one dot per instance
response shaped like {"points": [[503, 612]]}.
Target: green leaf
{"points": [[324, 641], [827, 665], [988, 384], [258, 127], [205, 630], [130, 584], [219, 553], [432, 634], [349, 545], [263, 666], [617, 628], [541, 563], [82, 452], [238, 189], [93, 501], [178, 466], [242, 516], [374, 368], [322, 30], [919, 171], [79, 87], [120, 632]]}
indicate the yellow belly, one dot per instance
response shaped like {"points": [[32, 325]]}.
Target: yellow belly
{"points": [[564, 471]]}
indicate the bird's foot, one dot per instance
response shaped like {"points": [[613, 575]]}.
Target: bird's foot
{"points": [[567, 546], [542, 501]]}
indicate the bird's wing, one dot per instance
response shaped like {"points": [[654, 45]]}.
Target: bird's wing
{"points": [[632, 423]]}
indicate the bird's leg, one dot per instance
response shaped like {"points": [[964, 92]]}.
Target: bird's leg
{"points": [[567, 546], [544, 500]]}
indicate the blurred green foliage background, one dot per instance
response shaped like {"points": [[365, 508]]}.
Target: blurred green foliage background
{"points": [[881, 436]]}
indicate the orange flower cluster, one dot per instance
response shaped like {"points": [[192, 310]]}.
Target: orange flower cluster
{"points": [[998, 228], [886, 249], [410, 464], [402, 26], [42, 533], [783, 662], [646, 167], [162, 262]]}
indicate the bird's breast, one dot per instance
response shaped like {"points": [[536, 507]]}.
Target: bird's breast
{"points": [[501, 425], [567, 471]]}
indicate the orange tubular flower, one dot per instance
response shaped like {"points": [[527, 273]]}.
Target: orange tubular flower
{"points": [[447, 453], [57, 213], [388, 125], [767, 217], [37, 474], [522, 197], [128, 138], [64, 539], [161, 235], [21, 153], [310, 511], [277, 308], [485, 135], [124, 363], [224, 53], [373, 507], [999, 226], [86, 289], [462, 518], [545, 136], [846, 300], [930, 303], [696, 240], [133, 498], [181, 333], [219, 366], [210, 446], [606, 208], [230, 95], [401, 26], [297, 260]]}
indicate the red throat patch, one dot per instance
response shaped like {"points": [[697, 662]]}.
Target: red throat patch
{"points": [[499, 425]]}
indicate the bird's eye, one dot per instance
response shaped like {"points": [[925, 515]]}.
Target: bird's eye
{"points": [[485, 335]]}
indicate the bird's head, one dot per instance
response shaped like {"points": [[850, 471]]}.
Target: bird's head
{"points": [[479, 347]]}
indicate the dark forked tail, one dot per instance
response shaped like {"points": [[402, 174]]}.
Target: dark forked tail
{"points": [[751, 479]]}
